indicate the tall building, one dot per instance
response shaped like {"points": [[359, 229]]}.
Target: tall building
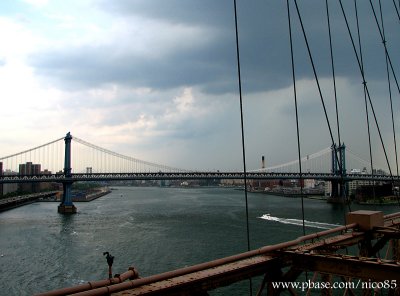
{"points": [[1, 173], [9, 187], [28, 169]]}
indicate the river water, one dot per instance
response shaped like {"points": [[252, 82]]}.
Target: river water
{"points": [[154, 229]]}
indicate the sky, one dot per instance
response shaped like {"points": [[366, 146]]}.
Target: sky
{"points": [[157, 80]]}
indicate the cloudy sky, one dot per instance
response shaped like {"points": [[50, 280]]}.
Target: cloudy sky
{"points": [[157, 79]]}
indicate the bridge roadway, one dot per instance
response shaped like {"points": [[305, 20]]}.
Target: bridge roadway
{"points": [[190, 176]]}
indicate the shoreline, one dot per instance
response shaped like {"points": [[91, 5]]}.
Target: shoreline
{"points": [[88, 197]]}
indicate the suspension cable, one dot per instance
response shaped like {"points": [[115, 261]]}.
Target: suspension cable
{"points": [[397, 9], [314, 71], [385, 46], [366, 87], [297, 116], [336, 100], [389, 89], [242, 132], [242, 125], [365, 96], [317, 82], [333, 70], [32, 149]]}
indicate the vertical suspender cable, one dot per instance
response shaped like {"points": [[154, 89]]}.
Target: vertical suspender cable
{"points": [[333, 70], [367, 91], [384, 45], [389, 88], [297, 117], [397, 9], [242, 131], [242, 125], [335, 95], [365, 96], [316, 79]]}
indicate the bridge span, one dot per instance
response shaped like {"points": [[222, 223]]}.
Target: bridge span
{"points": [[94, 163], [190, 176]]}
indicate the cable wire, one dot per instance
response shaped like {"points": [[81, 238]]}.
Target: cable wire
{"points": [[389, 89], [365, 96], [297, 116], [242, 132], [366, 87]]}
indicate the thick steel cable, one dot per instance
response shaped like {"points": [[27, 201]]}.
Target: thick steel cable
{"points": [[365, 95], [314, 70], [333, 70], [242, 132], [385, 46], [297, 115], [389, 89], [317, 81], [367, 90], [242, 123], [366, 87], [397, 9], [336, 98]]}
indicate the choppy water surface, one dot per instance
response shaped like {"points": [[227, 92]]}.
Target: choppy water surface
{"points": [[153, 229]]}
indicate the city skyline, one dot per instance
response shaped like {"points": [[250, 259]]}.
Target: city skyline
{"points": [[158, 81]]}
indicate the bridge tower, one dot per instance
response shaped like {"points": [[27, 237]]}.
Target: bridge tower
{"points": [[338, 187], [66, 206]]}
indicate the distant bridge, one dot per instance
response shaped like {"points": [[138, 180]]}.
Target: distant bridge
{"points": [[93, 163], [191, 176]]}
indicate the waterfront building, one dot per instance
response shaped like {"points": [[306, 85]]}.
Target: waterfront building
{"points": [[9, 187], [1, 185], [28, 169]]}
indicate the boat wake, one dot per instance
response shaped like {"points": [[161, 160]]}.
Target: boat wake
{"points": [[299, 222]]}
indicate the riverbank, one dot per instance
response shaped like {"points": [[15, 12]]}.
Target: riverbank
{"points": [[93, 195], [18, 201], [52, 196], [381, 201], [82, 196]]}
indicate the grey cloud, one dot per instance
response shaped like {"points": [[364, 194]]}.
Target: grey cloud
{"points": [[264, 45], [176, 11]]}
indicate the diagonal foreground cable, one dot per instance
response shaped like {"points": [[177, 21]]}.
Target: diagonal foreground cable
{"points": [[365, 95], [297, 116], [366, 86], [385, 46], [333, 70], [367, 91], [314, 70], [242, 124], [317, 82], [336, 101], [389, 89], [397, 9], [242, 132]]}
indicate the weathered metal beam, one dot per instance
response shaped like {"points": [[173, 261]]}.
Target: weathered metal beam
{"points": [[207, 279], [348, 266]]}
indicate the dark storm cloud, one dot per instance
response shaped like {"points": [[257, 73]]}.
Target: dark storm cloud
{"points": [[208, 12], [264, 45]]}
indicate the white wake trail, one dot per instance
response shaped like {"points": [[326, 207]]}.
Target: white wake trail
{"points": [[299, 222]]}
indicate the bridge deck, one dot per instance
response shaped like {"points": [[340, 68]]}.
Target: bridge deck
{"points": [[61, 178]]}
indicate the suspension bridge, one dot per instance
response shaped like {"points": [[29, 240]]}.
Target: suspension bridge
{"points": [[71, 159]]}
